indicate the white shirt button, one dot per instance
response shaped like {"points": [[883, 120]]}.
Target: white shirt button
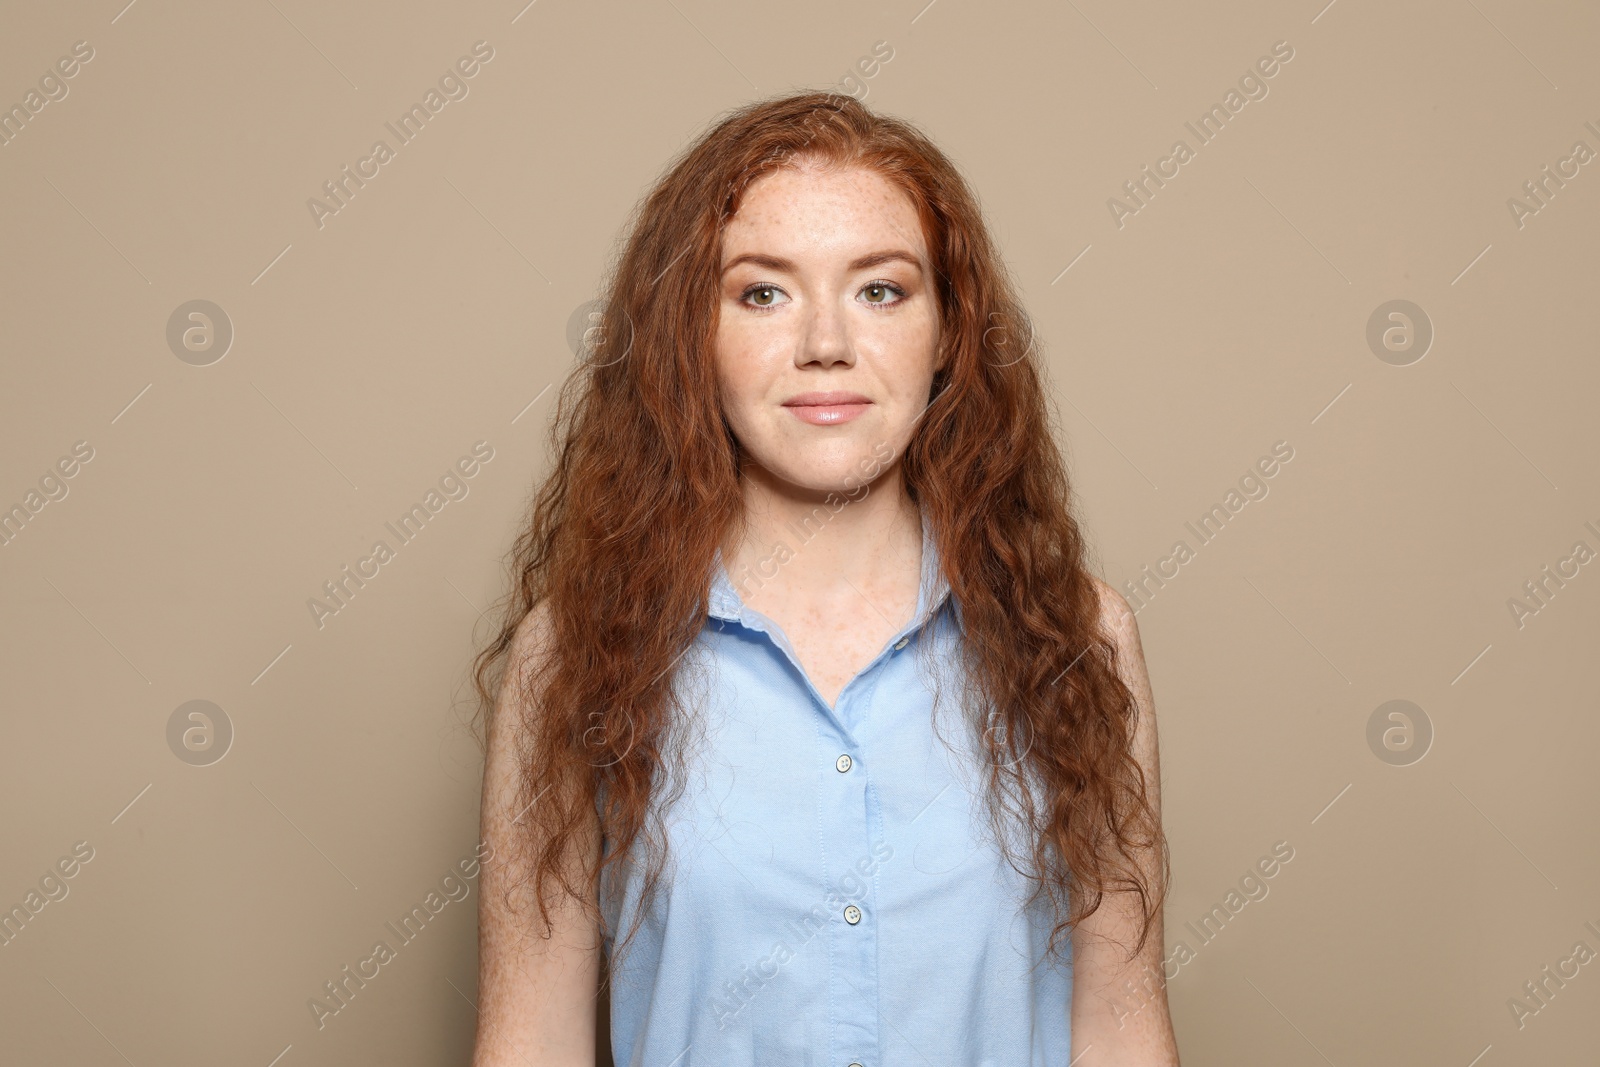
{"points": [[844, 763], [855, 1065], [852, 914], [903, 642]]}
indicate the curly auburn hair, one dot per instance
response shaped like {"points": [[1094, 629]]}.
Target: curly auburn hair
{"points": [[620, 538]]}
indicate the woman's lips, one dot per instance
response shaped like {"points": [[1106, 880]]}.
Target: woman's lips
{"points": [[826, 409], [826, 414]]}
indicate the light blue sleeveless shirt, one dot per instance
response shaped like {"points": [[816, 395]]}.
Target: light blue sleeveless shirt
{"points": [[833, 894]]}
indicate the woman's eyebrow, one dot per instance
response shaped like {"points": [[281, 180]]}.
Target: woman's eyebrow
{"points": [[778, 263]]}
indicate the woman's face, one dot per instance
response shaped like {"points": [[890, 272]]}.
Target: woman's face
{"points": [[826, 288]]}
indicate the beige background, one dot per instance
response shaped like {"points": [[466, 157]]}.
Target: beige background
{"points": [[432, 312]]}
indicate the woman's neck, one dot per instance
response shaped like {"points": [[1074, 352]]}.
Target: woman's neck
{"points": [[824, 549]]}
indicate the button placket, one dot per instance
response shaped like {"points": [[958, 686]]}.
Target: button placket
{"points": [[853, 963]]}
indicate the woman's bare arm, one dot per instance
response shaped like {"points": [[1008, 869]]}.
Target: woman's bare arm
{"points": [[537, 988], [1119, 1006]]}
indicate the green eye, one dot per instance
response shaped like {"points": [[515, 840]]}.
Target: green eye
{"points": [[763, 296], [882, 293]]}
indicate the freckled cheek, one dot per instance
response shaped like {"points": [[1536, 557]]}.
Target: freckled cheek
{"points": [[904, 345], [747, 371], [760, 347], [743, 411]]}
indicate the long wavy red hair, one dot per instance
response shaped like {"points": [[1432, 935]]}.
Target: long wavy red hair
{"points": [[621, 536]]}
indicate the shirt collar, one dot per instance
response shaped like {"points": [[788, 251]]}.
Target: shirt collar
{"points": [[933, 590]]}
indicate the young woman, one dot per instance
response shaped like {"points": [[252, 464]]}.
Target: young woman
{"points": [[808, 719]]}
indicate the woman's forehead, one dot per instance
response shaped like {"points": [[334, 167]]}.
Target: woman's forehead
{"points": [[842, 209]]}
